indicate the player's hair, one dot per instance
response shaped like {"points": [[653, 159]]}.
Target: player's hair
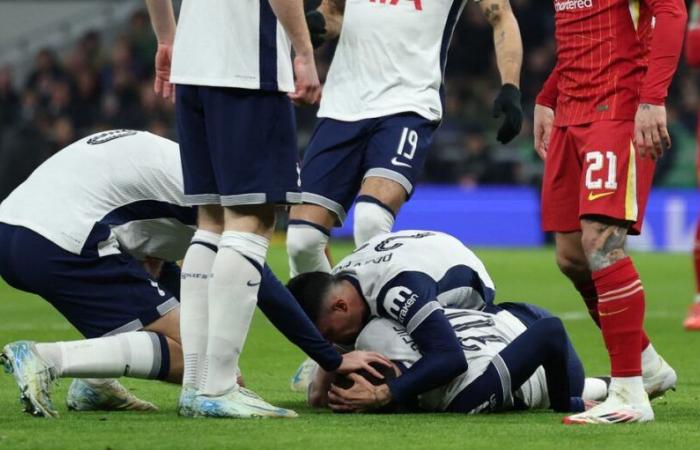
{"points": [[310, 289]]}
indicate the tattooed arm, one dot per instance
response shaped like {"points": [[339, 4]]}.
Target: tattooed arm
{"points": [[506, 39]]}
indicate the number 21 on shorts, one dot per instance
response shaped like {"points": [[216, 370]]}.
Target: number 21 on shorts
{"points": [[409, 138], [596, 177]]}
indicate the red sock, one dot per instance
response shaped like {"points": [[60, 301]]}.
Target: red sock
{"points": [[696, 257], [590, 298], [621, 311]]}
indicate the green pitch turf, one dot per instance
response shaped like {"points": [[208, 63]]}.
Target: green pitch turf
{"points": [[269, 361]]}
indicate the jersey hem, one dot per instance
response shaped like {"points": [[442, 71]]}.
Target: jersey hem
{"points": [[426, 114], [44, 233], [228, 83]]}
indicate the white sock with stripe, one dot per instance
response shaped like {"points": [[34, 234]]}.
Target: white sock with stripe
{"points": [[138, 354], [233, 295]]}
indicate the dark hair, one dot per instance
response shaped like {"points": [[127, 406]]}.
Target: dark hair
{"points": [[345, 382], [310, 289]]}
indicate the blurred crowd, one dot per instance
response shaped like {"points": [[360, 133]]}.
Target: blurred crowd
{"points": [[100, 83]]}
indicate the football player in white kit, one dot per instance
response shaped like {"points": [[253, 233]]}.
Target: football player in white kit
{"points": [[409, 277], [234, 84], [95, 231], [518, 360], [382, 102]]}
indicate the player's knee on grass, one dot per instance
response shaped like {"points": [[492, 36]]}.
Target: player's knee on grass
{"points": [[372, 218]]}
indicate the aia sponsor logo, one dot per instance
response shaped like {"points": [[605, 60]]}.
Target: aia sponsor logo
{"points": [[571, 5], [418, 4]]}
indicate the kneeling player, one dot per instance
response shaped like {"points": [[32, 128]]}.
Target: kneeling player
{"points": [[519, 358], [78, 233], [409, 277]]}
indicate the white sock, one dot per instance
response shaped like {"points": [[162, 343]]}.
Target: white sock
{"points": [[136, 354], [194, 309], [651, 360], [594, 389], [233, 294], [371, 220], [306, 247], [633, 387]]}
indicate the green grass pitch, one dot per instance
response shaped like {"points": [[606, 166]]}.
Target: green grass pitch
{"points": [[269, 361]]}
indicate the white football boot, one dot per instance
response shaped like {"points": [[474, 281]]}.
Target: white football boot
{"points": [[659, 379], [34, 377], [239, 403], [303, 376], [617, 408], [104, 395]]}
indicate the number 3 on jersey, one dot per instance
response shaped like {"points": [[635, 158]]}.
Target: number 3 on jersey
{"points": [[595, 161], [409, 138]]}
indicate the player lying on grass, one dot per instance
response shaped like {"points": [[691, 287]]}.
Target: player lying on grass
{"points": [[409, 277], [382, 103], [519, 358], [89, 231]]}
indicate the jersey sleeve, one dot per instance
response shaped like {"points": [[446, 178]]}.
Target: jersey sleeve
{"points": [[409, 298], [692, 40], [550, 91], [666, 46]]}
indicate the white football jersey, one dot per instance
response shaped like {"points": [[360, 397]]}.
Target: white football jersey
{"points": [[390, 59], [231, 43], [407, 275], [119, 190], [482, 336]]}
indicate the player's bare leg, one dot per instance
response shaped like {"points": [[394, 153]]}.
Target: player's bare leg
{"points": [[379, 201], [307, 238], [621, 315], [233, 292], [658, 376], [692, 322]]}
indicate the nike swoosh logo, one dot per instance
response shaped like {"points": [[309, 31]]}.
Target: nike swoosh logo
{"points": [[614, 312], [251, 284], [396, 162], [592, 196]]}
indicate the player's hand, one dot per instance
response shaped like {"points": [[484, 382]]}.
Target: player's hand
{"points": [[308, 88], [650, 133], [162, 85], [543, 122], [316, 22], [358, 360], [508, 103], [362, 396]]}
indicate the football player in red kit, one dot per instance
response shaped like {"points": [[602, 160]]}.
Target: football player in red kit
{"points": [[692, 57], [600, 125]]}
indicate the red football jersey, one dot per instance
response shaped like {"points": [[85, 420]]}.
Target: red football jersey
{"points": [[612, 55]]}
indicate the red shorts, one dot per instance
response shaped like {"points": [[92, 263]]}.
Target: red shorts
{"points": [[594, 169]]}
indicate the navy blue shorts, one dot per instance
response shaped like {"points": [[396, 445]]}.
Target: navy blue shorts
{"points": [[528, 314], [238, 146], [99, 296], [342, 154]]}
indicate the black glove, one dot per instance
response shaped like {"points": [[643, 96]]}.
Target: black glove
{"points": [[508, 102], [316, 22]]}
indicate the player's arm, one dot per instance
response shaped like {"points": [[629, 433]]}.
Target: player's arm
{"points": [[290, 13], [509, 57], [651, 134], [692, 40], [282, 309], [545, 105], [163, 22], [410, 300]]}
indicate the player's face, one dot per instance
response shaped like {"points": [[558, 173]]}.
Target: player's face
{"points": [[340, 326]]}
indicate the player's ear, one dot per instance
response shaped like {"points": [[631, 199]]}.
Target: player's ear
{"points": [[340, 305]]}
